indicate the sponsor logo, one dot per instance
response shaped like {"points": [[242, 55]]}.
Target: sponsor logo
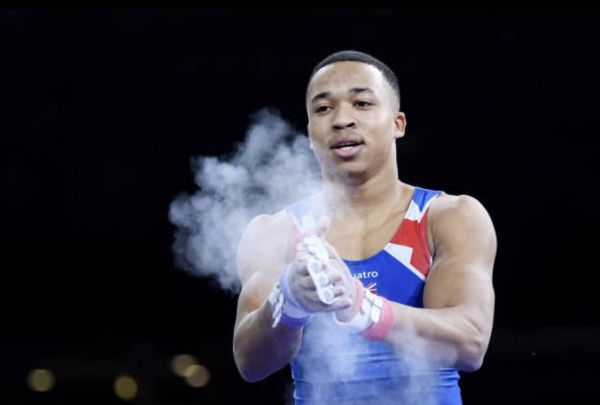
{"points": [[366, 274]]}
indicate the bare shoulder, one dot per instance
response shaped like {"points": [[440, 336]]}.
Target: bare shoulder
{"points": [[449, 204], [264, 225], [461, 220], [459, 209], [264, 242]]}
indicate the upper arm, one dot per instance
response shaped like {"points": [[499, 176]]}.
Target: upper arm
{"points": [[465, 248], [261, 256]]}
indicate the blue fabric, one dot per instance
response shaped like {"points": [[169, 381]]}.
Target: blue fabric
{"points": [[336, 367]]}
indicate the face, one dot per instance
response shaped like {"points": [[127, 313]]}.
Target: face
{"points": [[353, 120]]}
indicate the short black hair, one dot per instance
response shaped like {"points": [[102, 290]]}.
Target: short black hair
{"points": [[357, 56]]}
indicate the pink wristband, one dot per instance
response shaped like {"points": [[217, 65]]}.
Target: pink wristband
{"points": [[380, 330], [372, 316]]}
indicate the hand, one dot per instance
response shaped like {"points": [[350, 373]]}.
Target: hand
{"points": [[334, 275], [346, 281]]}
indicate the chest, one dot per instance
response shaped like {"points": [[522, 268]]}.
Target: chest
{"points": [[360, 241]]}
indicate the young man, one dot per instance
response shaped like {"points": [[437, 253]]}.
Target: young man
{"points": [[403, 298]]}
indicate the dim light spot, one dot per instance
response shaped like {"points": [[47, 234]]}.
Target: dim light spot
{"points": [[182, 363], [197, 376], [40, 380], [126, 387]]}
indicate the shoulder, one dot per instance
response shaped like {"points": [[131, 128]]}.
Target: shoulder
{"points": [[457, 218], [456, 206], [266, 226]]}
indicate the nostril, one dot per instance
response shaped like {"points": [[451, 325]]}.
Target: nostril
{"points": [[341, 125]]}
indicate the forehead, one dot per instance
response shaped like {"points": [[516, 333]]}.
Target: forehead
{"points": [[345, 75]]}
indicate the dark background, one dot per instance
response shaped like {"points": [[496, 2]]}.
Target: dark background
{"points": [[102, 111]]}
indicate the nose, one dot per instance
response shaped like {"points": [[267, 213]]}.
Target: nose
{"points": [[343, 119]]}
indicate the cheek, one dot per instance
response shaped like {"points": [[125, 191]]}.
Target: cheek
{"points": [[385, 129], [315, 134], [318, 148], [313, 127], [316, 143]]}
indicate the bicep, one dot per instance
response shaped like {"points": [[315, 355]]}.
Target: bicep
{"points": [[465, 246]]}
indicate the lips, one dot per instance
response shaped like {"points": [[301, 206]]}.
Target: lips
{"points": [[346, 142], [347, 147]]}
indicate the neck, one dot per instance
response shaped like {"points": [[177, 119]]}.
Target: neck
{"points": [[361, 200]]}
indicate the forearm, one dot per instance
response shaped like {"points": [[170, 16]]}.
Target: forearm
{"points": [[259, 349], [445, 337]]}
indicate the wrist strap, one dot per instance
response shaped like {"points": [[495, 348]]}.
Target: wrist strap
{"points": [[286, 309], [373, 316], [380, 329]]}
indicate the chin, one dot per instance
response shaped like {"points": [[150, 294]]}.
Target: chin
{"points": [[351, 176]]}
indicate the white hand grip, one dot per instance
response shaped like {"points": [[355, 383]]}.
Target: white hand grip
{"points": [[324, 289], [316, 247]]}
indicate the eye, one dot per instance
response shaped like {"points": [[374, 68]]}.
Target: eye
{"points": [[321, 108], [363, 103]]}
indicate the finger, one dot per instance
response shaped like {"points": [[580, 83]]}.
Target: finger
{"points": [[298, 234], [339, 270], [334, 275], [307, 283], [338, 293], [322, 226], [303, 256], [325, 276], [315, 302], [342, 303], [301, 247], [299, 265]]}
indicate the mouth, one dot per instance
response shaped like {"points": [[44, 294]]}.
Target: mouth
{"points": [[347, 148], [346, 144]]}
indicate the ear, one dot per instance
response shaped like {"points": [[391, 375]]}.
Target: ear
{"points": [[399, 125]]}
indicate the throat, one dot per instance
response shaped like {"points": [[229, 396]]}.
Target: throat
{"points": [[367, 204]]}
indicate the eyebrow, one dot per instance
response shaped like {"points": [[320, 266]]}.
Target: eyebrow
{"points": [[354, 90]]}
